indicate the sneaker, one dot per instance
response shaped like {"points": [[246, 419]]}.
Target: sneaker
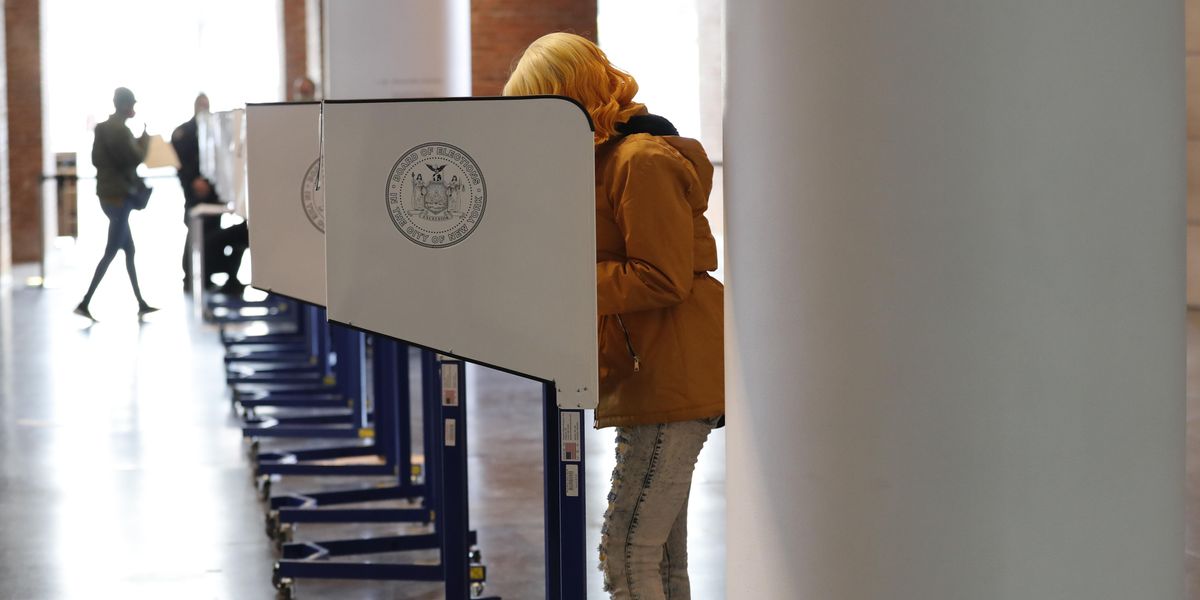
{"points": [[82, 310], [146, 309]]}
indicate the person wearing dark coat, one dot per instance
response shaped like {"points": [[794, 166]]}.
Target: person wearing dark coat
{"points": [[116, 155], [196, 188]]}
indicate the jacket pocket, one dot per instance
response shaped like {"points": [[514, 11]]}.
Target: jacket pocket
{"points": [[615, 361], [637, 361]]}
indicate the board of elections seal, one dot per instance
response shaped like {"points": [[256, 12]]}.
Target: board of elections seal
{"points": [[436, 195], [313, 202]]}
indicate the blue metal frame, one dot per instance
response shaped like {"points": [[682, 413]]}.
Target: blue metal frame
{"points": [[390, 367], [349, 376], [355, 546], [446, 502], [282, 400], [565, 514], [280, 331], [308, 345], [447, 505], [307, 361], [452, 474], [223, 308], [273, 353], [307, 351], [392, 439], [265, 391], [352, 515], [273, 337], [292, 456], [355, 496], [278, 309]]}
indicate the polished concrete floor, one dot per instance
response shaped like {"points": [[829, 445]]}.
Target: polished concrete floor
{"points": [[123, 474]]}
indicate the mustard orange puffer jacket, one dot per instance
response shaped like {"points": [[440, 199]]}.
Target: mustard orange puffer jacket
{"points": [[661, 324]]}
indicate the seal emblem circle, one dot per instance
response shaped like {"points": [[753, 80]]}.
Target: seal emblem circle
{"points": [[436, 195], [313, 202]]}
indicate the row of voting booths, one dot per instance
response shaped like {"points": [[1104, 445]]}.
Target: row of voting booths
{"points": [[395, 238]]}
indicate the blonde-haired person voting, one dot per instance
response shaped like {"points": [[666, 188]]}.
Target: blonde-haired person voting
{"points": [[661, 347]]}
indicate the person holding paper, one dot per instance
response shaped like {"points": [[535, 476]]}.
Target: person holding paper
{"points": [[661, 345], [116, 155]]}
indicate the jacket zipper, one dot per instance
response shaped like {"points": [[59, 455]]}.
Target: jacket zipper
{"points": [[637, 362]]}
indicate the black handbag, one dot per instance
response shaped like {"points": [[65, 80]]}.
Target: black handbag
{"points": [[139, 195]]}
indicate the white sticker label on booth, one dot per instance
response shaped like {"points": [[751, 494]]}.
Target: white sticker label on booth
{"points": [[571, 481], [451, 432], [450, 385], [570, 436]]}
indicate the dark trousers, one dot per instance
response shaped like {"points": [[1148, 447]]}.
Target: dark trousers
{"points": [[119, 238], [211, 224], [223, 249]]}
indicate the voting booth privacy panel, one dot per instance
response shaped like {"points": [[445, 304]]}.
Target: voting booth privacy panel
{"points": [[467, 226], [287, 207]]}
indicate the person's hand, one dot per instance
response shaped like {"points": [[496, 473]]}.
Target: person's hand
{"points": [[201, 187]]}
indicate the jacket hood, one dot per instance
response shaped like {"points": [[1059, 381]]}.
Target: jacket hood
{"points": [[690, 149], [694, 153]]}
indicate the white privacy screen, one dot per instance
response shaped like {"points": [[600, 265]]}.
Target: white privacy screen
{"points": [[222, 142], [468, 226], [287, 211]]}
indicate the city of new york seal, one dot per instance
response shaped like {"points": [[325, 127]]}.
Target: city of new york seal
{"points": [[436, 195], [312, 200]]}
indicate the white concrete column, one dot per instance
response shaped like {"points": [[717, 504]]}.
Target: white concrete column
{"points": [[391, 49], [314, 57], [956, 299]]}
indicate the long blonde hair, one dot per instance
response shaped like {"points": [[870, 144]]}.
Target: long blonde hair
{"points": [[565, 64]]}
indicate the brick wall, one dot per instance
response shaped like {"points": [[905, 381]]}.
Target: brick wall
{"points": [[1193, 151], [501, 29], [5, 225], [22, 32], [295, 43]]}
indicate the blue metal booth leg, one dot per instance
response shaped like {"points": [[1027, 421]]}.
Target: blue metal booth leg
{"points": [[454, 521], [566, 524]]}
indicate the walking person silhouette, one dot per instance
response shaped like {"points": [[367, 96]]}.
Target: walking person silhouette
{"points": [[116, 155]]}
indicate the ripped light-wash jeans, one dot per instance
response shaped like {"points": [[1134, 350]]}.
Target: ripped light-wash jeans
{"points": [[643, 547]]}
